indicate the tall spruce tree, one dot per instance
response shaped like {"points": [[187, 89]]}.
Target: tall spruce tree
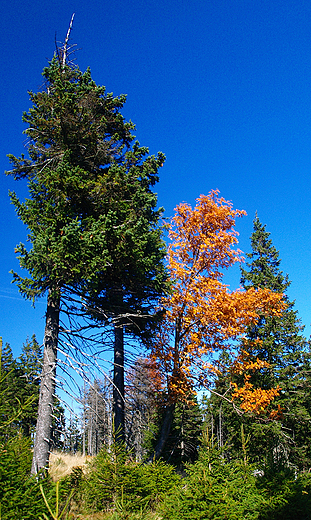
{"points": [[91, 213], [10, 406], [284, 347], [282, 342]]}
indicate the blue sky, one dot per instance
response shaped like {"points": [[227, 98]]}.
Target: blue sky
{"points": [[222, 87]]}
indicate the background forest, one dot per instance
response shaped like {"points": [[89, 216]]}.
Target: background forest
{"points": [[219, 461], [158, 391]]}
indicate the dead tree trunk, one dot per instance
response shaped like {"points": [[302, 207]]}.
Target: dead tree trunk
{"points": [[84, 419], [47, 386]]}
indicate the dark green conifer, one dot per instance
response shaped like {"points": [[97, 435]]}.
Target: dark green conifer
{"points": [[284, 347], [182, 444], [29, 366], [91, 213], [8, 401], [282, 343]]}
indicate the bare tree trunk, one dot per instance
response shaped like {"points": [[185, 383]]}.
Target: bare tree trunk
{"points": [[182, 444], [96, 423], [118, 383], [220, 428], [91, 423], [165, 431], [110, 421], [41, 451], [84, 419]]}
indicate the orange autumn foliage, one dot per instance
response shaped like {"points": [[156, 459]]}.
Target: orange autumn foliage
{"points": [[202, 316], [252, 399]]}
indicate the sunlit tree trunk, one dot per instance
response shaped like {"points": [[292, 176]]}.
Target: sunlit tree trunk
{"points": [[220, 440], [84, 419], [47, 386]]}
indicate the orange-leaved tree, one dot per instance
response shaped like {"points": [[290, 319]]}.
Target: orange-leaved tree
{"points": [[202, 316]]}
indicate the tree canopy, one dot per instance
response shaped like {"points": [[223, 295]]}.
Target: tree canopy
{"points": [[202, 315], [278, 343], [203, 318], [91, 212]]}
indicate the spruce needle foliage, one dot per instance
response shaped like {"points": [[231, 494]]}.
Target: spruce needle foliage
{"points": [[114, 477], [89, 184], [278, 343], [215, 489], [93, 225], [282, 345]]}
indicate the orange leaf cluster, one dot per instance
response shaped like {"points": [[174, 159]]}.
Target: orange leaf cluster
{"points": [[202, 315], [244, 363], [253, 400]]}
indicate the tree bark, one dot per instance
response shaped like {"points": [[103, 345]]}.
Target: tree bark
{"points": [[165, 431], [84, 419], [118, 384], [42, 445], [170, 407]]}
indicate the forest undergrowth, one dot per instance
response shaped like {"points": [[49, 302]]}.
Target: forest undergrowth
{"points": [[113, 486]]}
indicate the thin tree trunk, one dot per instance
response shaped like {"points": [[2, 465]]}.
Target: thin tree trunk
{"points": [[41, 451], [118, 384], [84, 419], [170, 408], [182, 444], [165, 431], [71, 440], [96, 419], [91, 422], [220, 427], [90, 436]]}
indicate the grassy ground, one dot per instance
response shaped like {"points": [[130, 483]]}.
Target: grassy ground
{"points": [[61, 464]]}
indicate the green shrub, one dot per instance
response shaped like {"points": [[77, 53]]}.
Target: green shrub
{"points": [[288, 497], [215, 489], [218, 489], [114, 477], [20, 496]]}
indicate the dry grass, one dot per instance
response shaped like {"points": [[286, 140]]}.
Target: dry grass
{"points": [[61, 464]]}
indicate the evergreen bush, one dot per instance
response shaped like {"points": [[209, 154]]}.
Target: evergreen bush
{"points": [[20, 497], [215, 489], [114, 477], [287, 496]]}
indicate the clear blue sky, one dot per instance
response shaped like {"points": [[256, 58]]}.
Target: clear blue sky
{"points": [[222, 87]]}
